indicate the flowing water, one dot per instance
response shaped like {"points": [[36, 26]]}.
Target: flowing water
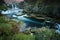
{"points": [[11, 13]]}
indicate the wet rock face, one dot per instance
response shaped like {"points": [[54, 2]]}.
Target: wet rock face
{"points": [[56, 12], [48, 7]]}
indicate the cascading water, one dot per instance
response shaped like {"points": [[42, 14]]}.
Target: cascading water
{"points": [[14, 11], [58, 28], [11, 13]]}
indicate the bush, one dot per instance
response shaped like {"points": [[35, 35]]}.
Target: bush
{"points": [[6, 28], [10, 31], [21, 36], [46, 34]]}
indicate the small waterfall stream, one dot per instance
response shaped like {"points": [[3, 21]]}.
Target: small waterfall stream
{"points": [[14, 11], [11, 13], [57, 25]]}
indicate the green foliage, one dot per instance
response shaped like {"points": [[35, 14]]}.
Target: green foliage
{"points": [[2, 19], [20, 22], [10, 31], [5, 28], [48, 9], [1, 38], [2, 7], [46, 34], [21, 36]]}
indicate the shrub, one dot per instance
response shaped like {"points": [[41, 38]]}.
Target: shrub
{"points": [[46, 34], [6, 27], [21, 36]]}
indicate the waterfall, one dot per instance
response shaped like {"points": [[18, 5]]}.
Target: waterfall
{"points": [[12, 12], [58, 28], [12, 6]]}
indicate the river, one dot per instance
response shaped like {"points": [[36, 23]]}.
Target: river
{"points": [[28, 21]]}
